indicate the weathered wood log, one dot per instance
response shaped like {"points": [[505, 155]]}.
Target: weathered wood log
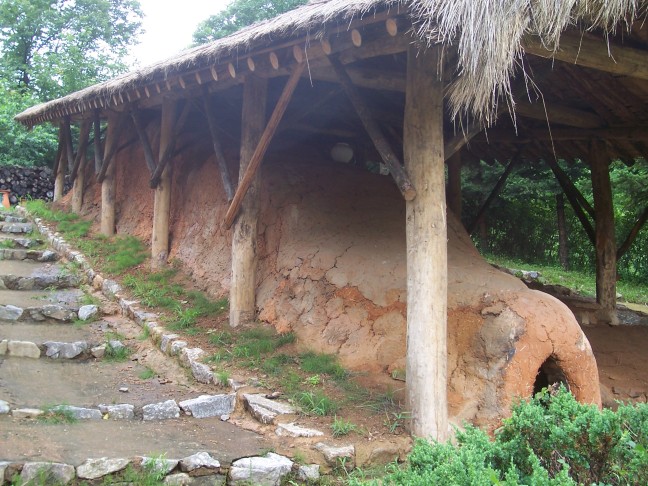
{"points": [[110, 146], [84, 141], [60, 165], [218, 150], [606, 268], [633, 234], [564, 180], [563, 115], [594, 52], [108, 182], [144, 140], [244, 234], [98, 148], [264, 142], [169, 151], [162, 195], [375, 133], [491, 197], [427, 242]]}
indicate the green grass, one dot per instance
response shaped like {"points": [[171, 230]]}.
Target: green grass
{"points": [[341, 427], [124, 252], [56, 414], [315, 402], [582, 282], [222, 377], [146, 374], [186, 307], [255, 343], [322, 364], [116, 354]]}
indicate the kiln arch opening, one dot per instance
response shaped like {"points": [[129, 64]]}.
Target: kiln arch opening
{"points": [[549, 374]]}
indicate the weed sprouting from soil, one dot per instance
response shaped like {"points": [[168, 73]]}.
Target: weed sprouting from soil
{"points": [[57, 414], [115, 353], [146, 374], [341, 427]]}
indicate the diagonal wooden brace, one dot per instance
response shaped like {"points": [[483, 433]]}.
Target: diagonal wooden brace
{"points": [[264, 143]]}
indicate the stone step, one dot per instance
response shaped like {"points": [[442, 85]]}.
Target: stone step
{"points": [[44, 313], [16, 228], [18, 241], [202, 407], [23, 254], [39, 332], [36, 275], [37, 298], [11, 218]]}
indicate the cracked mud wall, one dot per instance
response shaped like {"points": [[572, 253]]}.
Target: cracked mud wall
{"points": [[331, 267]]}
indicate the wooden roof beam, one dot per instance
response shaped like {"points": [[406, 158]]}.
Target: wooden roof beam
{"points": [[594, 52], [507, 135], [562, 115]]}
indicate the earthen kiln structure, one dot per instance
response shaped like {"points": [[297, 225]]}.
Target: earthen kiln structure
{"points": [[365, 265]]}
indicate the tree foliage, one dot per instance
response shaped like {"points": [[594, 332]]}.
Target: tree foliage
{"points": [[54, 47], [239, 14], [49, 48], [521, 223]]}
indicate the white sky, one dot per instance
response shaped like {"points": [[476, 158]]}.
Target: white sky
{"points": [[169, 26]]}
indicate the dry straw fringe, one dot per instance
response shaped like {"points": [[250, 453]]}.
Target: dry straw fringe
{"points": [[488, 34]]}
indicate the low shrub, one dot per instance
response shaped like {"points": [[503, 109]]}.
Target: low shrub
{"points": [[549, 440]]}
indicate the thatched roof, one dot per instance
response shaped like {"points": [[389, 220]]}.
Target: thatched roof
{"points": [[488, 34]]}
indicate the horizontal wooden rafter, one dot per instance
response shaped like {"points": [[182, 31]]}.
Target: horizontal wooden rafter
{"points": [[594, 52]]}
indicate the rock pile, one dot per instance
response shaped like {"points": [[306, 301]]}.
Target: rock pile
{"points": [[28, 182]]}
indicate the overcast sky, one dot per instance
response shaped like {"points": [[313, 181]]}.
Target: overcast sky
{"points": [[169, 25]]}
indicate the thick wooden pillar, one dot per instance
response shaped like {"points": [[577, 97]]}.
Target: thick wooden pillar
{"points": [[454, 184], [426, 234], [605, 238], [244, 237], [162, 201], [79, 182], [108, 183], [61, 164]]}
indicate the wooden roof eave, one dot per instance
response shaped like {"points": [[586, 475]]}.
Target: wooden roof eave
{"points": [[220, 74]]}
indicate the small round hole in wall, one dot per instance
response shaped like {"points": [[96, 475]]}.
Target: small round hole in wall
{"points": [[549, 375]]}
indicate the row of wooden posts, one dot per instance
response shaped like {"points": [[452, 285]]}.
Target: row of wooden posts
{"points": [[424, 162]]}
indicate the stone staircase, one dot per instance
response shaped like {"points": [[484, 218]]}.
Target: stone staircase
{"points": [[71, 413]]}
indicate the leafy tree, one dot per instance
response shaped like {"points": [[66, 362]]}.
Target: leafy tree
{"points": [[54, 47], [17, 145], [239, 14]]}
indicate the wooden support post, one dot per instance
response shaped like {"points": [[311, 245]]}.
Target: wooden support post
{"points": [[162, 202], [98, 149], [108, 182], [244, 236], [572, 194], [454, 184], [605, 239], [427, 242], [118, 122], [59, 165], [249, 174], [78, 172], [144, 140], [491, 197], [218, 150], [373, 130], [169, 149], [82, 148]]}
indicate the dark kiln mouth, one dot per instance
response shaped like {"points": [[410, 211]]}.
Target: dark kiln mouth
{"points": [[549, 375]]}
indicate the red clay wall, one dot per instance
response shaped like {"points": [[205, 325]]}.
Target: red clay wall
{"points": [[332, 269]]}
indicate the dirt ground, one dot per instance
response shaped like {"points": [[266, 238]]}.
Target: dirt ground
{"points": [[622, 362]]}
